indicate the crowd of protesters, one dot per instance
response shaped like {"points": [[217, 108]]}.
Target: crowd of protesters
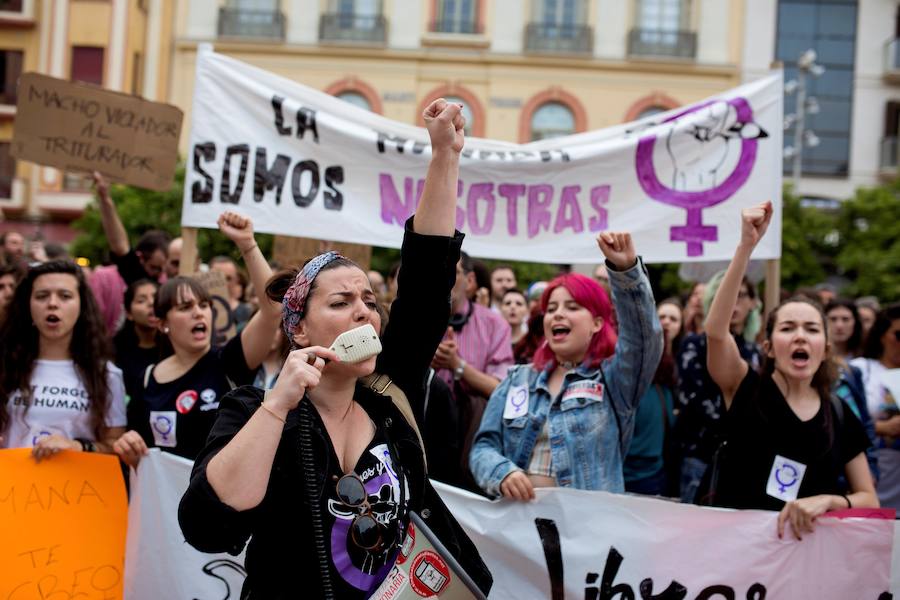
{"points": [[581, 381]]}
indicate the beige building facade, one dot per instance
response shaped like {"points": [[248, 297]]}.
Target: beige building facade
{"points": [[587, 63], [524, 69]]}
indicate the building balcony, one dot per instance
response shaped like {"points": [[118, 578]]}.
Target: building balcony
{"points": [[888, 166], [559, 37], [657, 43], [892, 61], [255, 24], [466, 27], [353, 28]]}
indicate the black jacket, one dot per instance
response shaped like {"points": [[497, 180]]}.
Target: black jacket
{"points": [[282, 559]]}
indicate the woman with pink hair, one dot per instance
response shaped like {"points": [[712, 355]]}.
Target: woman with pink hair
{"points": [[566, 419]]}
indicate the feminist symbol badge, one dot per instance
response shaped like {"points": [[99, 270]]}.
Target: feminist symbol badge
{"points": [[162, 423], [516, 402], [785, 478]]}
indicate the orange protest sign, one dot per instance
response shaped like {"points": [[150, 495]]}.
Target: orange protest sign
{"points": [[63, 524]]}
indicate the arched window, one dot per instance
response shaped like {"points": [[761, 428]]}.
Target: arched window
{"points": [[552, 120], [356, 99], [357, 93], [650, 111], [650, 104]]}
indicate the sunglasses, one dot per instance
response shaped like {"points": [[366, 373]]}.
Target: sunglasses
{"points": [[365, 531]]}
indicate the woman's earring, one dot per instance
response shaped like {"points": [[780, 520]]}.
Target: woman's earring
{"points": [[166, 330]]}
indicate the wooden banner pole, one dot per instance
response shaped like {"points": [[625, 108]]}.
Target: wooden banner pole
{"points": [[773, 284], [188, 251]]}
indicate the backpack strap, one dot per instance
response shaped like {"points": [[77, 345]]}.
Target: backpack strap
{"points": [[384, 386], [147, 374]]}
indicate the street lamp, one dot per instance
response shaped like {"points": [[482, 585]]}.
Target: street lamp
{"points": [[806, 66]]}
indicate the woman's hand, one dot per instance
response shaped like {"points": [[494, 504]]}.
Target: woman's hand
{"points": [[802, 514], [517, 486], [618, 249], [238, 229], [754, 222], [301, 373], [445, 124], [130, 448], [50, 445], [101, 185]]}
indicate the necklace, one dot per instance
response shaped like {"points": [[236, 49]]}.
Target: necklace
{"points": [[568, 365]]}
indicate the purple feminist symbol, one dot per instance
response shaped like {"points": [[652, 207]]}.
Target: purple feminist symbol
{"points": [[695, 232], [791, 472]]}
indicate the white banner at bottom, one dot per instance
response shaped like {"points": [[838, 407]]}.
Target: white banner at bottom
{"points": [[158, 562], [565, 544], [599, 546]]}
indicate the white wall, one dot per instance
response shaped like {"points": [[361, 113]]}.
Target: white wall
{"points": [[611, 40], [759, 38], [202, 20], [508, 23], [302, 18], [712, 31]]}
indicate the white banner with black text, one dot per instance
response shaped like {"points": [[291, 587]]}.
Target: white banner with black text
{"points": [[566, 544], [303, 163]]}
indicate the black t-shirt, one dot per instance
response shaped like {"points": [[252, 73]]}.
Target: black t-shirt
{"points": [[176, 416], [355, 572], [770, 448], [129, 266], [133, 360]]}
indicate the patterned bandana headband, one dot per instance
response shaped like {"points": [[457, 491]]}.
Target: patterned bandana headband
{"points": [[295, 299]]}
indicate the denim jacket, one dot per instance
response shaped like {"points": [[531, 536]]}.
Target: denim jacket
{"points": [[592, 418]]}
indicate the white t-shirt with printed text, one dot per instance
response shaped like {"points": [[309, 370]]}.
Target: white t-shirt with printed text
{"points": [[60, 404]]}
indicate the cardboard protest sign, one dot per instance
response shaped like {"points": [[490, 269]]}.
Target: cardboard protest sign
{"points": [[291, 251], [82, 127], [64, 522]]}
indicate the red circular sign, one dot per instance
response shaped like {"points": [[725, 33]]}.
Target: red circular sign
{"points": [[429, 574], [186, 401], [408, 544]]}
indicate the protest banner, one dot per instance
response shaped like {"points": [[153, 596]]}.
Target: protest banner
{"points": [[291, 251], [158, 562], [63, 526], [595, 545], [82, 127], [303, 163], [566, 544]]}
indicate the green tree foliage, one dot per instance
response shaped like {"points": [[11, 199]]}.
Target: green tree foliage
{"points": [[805, 251], [869, 242], [142, 210]]}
